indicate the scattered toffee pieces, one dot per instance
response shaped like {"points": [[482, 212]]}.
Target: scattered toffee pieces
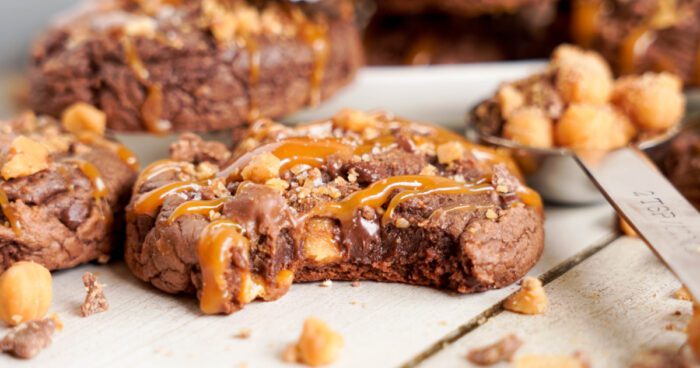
{"points": [[95, 300], [244, 333], [317, 345], [530, 299]]}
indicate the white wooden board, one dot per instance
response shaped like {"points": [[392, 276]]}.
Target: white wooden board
{"points": [[611, 306], [383, 324]]}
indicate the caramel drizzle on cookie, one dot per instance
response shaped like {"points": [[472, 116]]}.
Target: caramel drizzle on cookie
{"points": [[198, 207], [149, 202], [157, 168], [316, 36], [585, 18], [219, 242], [126, 155], [99, 188], [377, 194], [292, 152], [152, 107]]}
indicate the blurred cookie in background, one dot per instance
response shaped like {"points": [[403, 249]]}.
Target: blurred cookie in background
{"points": [[448, 32], [641, 35], [680, 162]]}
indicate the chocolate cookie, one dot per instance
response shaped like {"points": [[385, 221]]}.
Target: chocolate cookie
{"points": [[63, 189], [459, 7], [642, 35], [445, 38], [200, 65], [357, 197]]}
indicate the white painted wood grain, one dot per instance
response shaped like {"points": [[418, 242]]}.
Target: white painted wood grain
{"points": [[610, 306], [383, 324]]}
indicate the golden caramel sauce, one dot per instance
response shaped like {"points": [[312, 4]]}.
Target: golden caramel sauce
{"points": [[585, 17], [529, 197], [128, 157], [381, 142], [292, 152], [134, 60], [149, 202], [152, 110], [251, 45], [635, 44], [156, 168], [214, 249], [99, 188], [199, 207], [379, 192], [482, 153], [434, 185], [125, 154], [10, 213], [316, 36], [250, 288], [421, 52]]}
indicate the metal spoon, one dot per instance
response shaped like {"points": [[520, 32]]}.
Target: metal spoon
{"points": [[662, 217]]}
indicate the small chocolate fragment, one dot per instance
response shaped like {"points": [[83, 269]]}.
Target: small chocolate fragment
{"points": [[500, 351], [95, 300], [28, 339]]}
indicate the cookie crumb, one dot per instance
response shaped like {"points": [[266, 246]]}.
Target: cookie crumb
{"points": [[317, 345], [28, 339], [530, 299], [244, 333], [95, 300], [289, 355], [326, 283], [500, 351], [355, 284], [657, 357]]}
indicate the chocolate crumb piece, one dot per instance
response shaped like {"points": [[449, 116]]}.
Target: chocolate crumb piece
{"points": [[95, 300], [28, 339], [659, 357], [500, 351], [244, 333]]}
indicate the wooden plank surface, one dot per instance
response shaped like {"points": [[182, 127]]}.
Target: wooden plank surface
{"points": [[609, 307], [383, 324]]}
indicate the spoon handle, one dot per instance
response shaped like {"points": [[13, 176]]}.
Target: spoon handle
{"points": [[662, 217]]}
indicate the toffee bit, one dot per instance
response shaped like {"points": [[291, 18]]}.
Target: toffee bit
{"points": [[244, 333]]}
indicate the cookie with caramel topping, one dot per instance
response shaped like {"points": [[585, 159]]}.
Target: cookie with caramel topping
{"points": [[63, 190], [328, 201], [642, 35], [199, 65]]}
